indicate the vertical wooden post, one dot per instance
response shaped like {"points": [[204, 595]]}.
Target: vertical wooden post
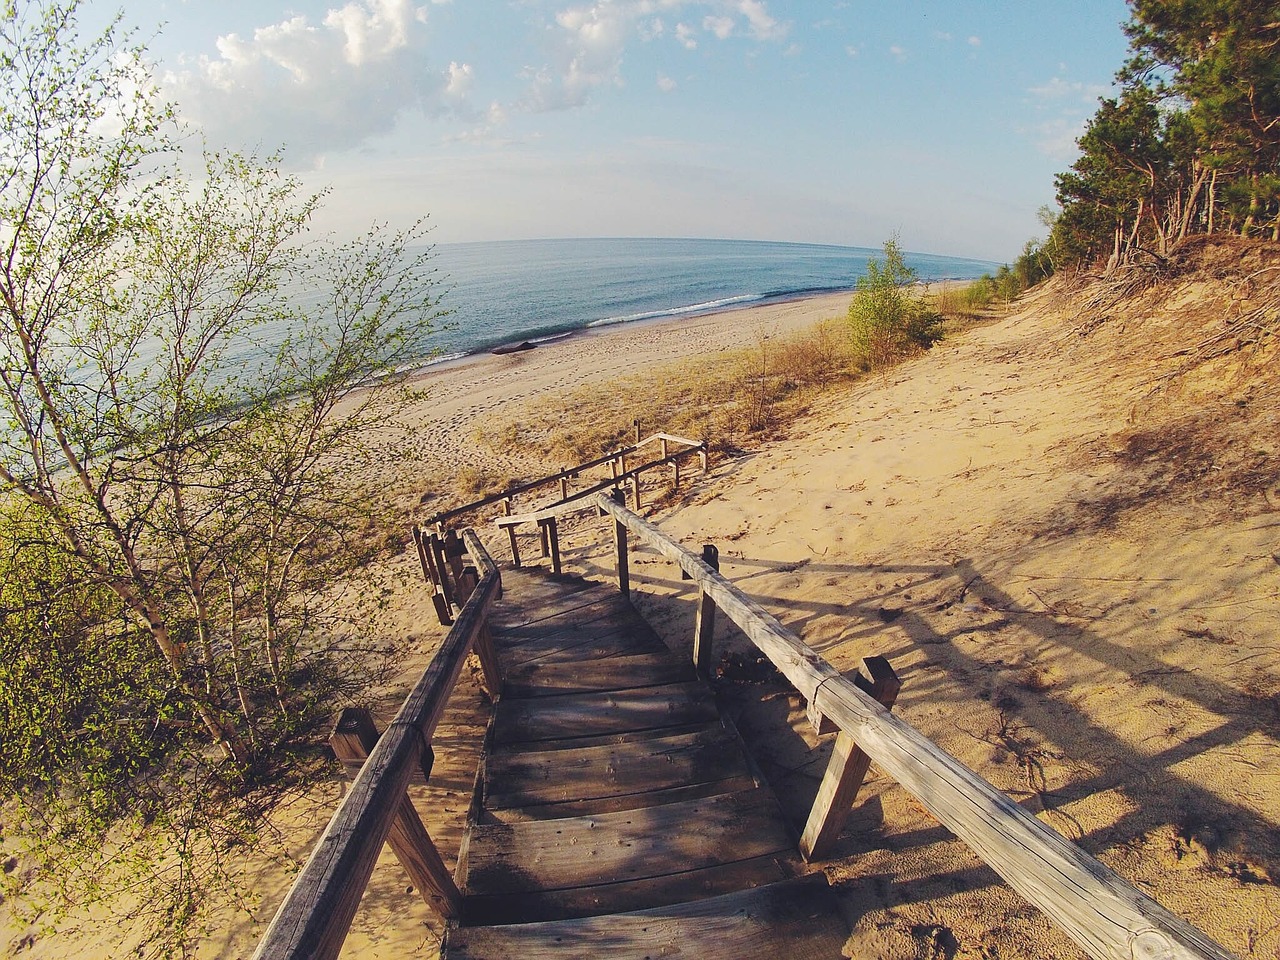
{"points": [[636, 423], [490, 667], [444, 612], [543, 540], [511, 534], [665, 450], [847, 769], [613, 466], [635, 491], [702, 455], [675, 474], [354, 735], [423, 558], [551, 535], [620, 548], [442, 569], [454, 551], [564, 485], [467, 582], [704, 625]]}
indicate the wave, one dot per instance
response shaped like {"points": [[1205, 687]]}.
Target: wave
{"points": [[709, 306]]}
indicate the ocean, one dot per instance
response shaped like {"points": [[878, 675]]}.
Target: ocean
{"points": [[504, 292]]}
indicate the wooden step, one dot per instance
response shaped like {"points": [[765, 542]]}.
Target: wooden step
{"points": [[620, 639], [542, 678], [567, 716], [614, 862], [545, 784], [791, 920]]}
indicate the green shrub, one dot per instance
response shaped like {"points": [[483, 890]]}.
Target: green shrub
{"points": [[887, 319]]}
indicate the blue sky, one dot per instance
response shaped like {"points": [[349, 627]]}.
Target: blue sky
{"points": [[827, 122]]}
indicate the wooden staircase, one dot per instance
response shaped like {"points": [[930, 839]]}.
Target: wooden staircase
{"points": [[617, 813]]}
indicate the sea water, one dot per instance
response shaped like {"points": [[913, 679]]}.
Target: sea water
{"points": [[504, 292]]}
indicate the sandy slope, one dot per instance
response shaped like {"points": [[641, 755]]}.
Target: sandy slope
{"points": [[1073, 566]]}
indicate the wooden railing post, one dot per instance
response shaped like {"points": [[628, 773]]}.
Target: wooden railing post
{"points": [[620, 547], [847, 769], [551, 541], [511, 533], [422, 556], [454, 552], [491, 669], [636, 423], [702, 455], [635, 491], [564, 485], [353, 737], [704, 626], [442, 567]]}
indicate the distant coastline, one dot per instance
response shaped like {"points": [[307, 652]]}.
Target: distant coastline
{"points": [[507, 292]]}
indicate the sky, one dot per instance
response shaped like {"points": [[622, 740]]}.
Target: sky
{"points": [[941, 123]]}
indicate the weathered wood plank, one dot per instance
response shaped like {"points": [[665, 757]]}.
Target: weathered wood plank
{"points": [[542, 855], [600, 614], [790, 920], [847, 768], [613, 898], [622, 640], [562, 606], [592, 714], [540, 678], [518, 779], [625, 801]]}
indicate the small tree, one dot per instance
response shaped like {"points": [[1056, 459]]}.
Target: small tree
{"points": [[188, 382], [886, 318]]}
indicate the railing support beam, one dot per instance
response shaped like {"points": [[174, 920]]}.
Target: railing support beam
{"points": [[847, 768], [704, 627], [353, 737], [620, 548]]}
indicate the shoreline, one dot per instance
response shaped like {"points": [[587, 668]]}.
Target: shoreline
{"points": [[765, 310], [464, 395], [674, 316]]}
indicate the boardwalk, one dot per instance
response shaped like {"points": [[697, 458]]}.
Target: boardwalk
{"points": [[619, 814]]}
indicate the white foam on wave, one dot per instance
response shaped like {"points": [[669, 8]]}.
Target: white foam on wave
{"points": [[706, 307]]}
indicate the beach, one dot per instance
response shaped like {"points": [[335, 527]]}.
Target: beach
{"points": [[1075, 613]]}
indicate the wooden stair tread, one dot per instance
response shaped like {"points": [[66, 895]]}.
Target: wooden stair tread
{"points": [[625, 860], [568, 716], [789, 920], [546, 678], [614, 773], [540, 605]]}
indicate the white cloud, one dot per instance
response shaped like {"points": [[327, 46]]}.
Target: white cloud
{"points": [[1058, 89], [315, 87], [975, 41], [722, 27], [589, 41], [761, 25], [666, 84], [898, 53]]}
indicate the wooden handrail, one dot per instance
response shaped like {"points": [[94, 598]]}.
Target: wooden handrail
{"points": [[577, 501], [698, 446], [1108, 917], [316, 914]]}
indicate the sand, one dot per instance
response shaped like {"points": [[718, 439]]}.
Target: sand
{"points": [[1083, 618]]}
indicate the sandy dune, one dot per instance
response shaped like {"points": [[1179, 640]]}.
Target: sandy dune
{"points": [[1072, 567]]}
